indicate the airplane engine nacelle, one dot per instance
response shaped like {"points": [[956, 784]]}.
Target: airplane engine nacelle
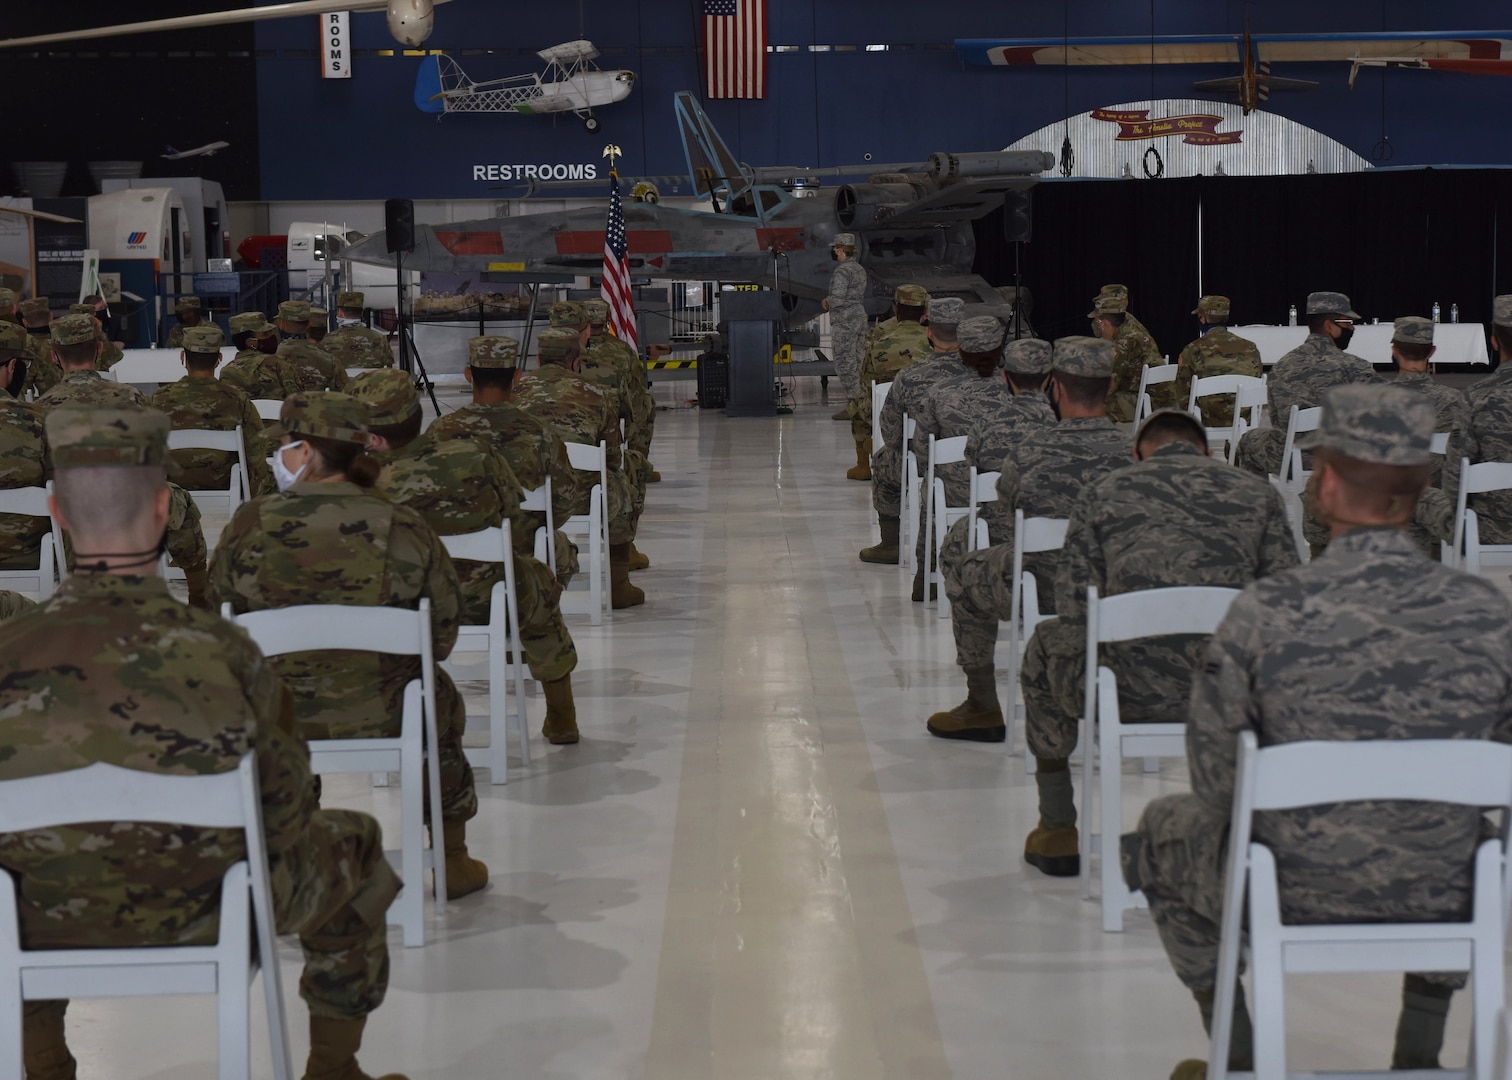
{"points": [[1001, 163], [411, 21], [859, 206]]}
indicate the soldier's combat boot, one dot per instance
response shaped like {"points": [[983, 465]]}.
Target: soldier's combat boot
{"points": [[843, 414], [977, 719], [654, 478], [333, 1050], [886, 551], [1241, 1038], [464, 874], [862, 471], [638, 558], [1420, 1027], [44, 1051], [622, 594], [560, 727], [1053, 847], [918, 586], [198, 580]]}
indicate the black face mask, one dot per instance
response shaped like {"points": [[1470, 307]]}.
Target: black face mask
{"points": [[17, 380], [834, 255], [267, 345], [1345, 334]]}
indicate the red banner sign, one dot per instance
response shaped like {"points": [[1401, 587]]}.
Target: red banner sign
{"points": [[1199, 129]]}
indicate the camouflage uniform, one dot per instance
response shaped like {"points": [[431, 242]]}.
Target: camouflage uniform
{"points": [[77, 669], [847, 291], [604, 349], [260, 376], [311, 367], [1133, 351], [110, 352], [608, 371], [353, 345], [42, 371], [184, 305], [13, 604], [89, 388], [22, 464], [888, 351], [1218, 351], [337, 543], [1369, 641]]}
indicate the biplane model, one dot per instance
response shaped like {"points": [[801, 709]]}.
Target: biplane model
{"points": [[572, 82]]}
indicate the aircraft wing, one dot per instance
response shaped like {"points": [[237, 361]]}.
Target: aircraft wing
{"points": [[962, 201], [190, 22], [1225, 48]]}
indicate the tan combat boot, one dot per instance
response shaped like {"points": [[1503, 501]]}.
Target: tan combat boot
{"points": [[1054, 846], [887, 551], [333, 1050], [560, 726], [44, 1050], [638, 558], [977, 719], [862, 471], [464, 874], [654, 478], [843, 414], [622, 594]]}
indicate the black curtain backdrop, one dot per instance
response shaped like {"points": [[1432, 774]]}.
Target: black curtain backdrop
{"points": [[1393, 241]]}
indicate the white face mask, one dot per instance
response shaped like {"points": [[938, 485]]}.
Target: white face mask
{"points": [[281, 473]]}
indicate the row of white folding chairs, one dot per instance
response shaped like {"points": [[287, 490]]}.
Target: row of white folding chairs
{"points": [[1249, 394], [51, 567], [239, 489], [592, 527]]}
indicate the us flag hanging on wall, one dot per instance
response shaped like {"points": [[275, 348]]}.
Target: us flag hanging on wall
{"points": [[735, 48]]}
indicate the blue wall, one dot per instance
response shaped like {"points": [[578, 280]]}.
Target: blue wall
{"points": [[824, 108]]}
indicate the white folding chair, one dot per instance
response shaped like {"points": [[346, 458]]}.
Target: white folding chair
{"points": [[102, 792], [983, 490], [1469, 553], [1030, 535], [267, 408], [51, 567], [908, 501], [938, 515], [593, 526], [1148, 377], [1464, 772], [499, 641], [1148, 613], [1293, 478], [238, 490], [1502, 1069], [538, 500], [879, 399], [1249, 396], [318, 627]]}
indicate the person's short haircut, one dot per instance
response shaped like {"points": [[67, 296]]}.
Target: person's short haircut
{"points": [[1168, 427], [1415, 351], [983, 363], [93, 300], [79, 353], [1114, 318], [909, 312], [1026, 383], [201, 361], [1503, 336], [492, 378], [1214, 320], [1385, 491], [944, 333], [1083, 392], [402, 433], [103, 500]]}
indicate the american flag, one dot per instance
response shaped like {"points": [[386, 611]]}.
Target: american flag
{"points": [[616, 287], [735, 48]]}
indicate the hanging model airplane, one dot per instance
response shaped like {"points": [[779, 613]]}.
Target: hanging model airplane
{"points": [[912, 222], [572, 82], [1253, 84], [199, 151], [1464, 66], [410, 21]]}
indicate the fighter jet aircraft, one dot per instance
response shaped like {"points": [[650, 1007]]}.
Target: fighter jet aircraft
{"points": [[912, 223]]}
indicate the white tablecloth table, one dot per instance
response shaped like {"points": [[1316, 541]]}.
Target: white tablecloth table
{"points": [[1458, 343]]}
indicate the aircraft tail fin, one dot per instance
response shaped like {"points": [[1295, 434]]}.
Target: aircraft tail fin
{"points": [[428, 97], [711, 167]]}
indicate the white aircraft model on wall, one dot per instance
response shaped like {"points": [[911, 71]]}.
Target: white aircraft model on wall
{"points": [[572, 82], [199, 151], [410, 21]]}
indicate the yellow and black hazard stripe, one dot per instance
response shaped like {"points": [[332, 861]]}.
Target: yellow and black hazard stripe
{"points": [[670, 365]]}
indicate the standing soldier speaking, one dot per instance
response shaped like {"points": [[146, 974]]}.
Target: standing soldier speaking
{"points": [[847, 316]]}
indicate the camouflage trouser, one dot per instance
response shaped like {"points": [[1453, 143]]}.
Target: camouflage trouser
{"points": [[621, 504], [1178, 857], [1053, 682], [887, 480], [332, 888], [848, 339], [21, 540], [979, 585], [1260, 451], [566, 558], [638, 473], [186, 540], [861, 415], [210, 470], [1121, 406], [544, 637]]}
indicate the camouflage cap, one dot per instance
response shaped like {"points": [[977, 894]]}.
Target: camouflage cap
{"points": [[87, 436], [294, 311], [1089, 357], [556, 344], [597, 311], [493, 352], [207, 338], [389, 393], [349, 299], [912, 295], [318, 313], [1027, 356], [946, 311], [7, 298], [1329, 303], [1501, 310], [845, 239], [1212, 305], [568, 313], [1412, 330], [250, 322], [13, 337], [34, 308], [323, 414], [1114, 289], [73, 329], [186, 303], [980, 334], [1378, 424], [1108, 305], [81, 309]]}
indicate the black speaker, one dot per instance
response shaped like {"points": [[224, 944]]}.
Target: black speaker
{"points": [[1018, 221], [399, 224]]}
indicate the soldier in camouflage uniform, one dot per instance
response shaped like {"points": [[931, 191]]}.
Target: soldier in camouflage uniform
{"points": [[187, 311], [1041, 476], [1178, 517], [77, 347], [352, 344], [42, 372], [1412, 348], [1218, 351], [1303, 376], [604, 349], [1487, 435], [320, 326], [909, 390], [898, 343], [580, 412], [8, 306], [200, 402], [328, 538], [531, 449], [110, 352], [1133, 349], [1370, 641], [460, 486], [255, 369], [845, 303], [21, 459], [312, 367], [80, 670]]}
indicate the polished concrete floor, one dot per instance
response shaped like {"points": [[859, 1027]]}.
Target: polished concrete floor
{"points": [[757, 864]]}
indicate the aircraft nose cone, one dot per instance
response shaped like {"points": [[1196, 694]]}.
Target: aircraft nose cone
{"points": [[411, 21]]}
